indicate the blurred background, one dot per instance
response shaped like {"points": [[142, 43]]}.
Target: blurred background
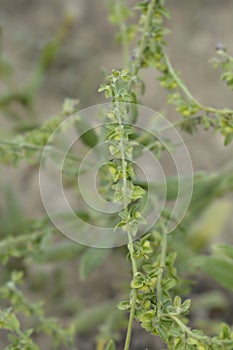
{"points": [[86, 48]]}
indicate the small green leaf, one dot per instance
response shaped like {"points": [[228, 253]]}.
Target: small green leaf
{"points": [[103, 87], [228, 139], [225, 332], [177, 302], [138, 192], [70, 106], [163, 333], [186, 305], [138, 280], [123, 305]]}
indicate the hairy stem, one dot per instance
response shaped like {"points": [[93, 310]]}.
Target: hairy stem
{"points": [[180, 122], [137, 62], [19, 240], [188, 93], [201, 338], [162, 265], [135, 70], [133, 297], [130, 244], [32, 147]]}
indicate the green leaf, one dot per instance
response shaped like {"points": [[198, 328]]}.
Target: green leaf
{"points": [[177, 302], [138, 192], [186, 305], [142, 5], [138, 280], [92, 259], [225, 331], [228, 139], [88, 134], [8, 320], [225, 249], [123, 305], [110, 345], [163, 333], [70, 106], [210, 224], [219, 268], [12, 219], [168, 284]]}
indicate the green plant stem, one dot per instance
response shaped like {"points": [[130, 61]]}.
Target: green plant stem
{"points": [[177, 123], [32, 147], [180, 122], [135, 69], [130, 241], [162, 265], [130, 244], [6, 100], [20, 239], [188, 93], [23, 145], [133, 298], [179, 81], [185, 328], [204, 339], [137, 62]]}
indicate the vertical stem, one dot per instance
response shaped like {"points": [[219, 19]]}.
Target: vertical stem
{"points": [[137, 62], [135, 70], [130, 244], [133, 298], [162, 265]]}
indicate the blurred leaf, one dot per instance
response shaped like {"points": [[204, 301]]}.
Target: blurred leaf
{"points": [[90, 317], [123, 305], [12, 221], [92, 259], [225, 249], [219, 268], [210, 300], [88, 134], [62, 251], [210, 224], [110, 346]]}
